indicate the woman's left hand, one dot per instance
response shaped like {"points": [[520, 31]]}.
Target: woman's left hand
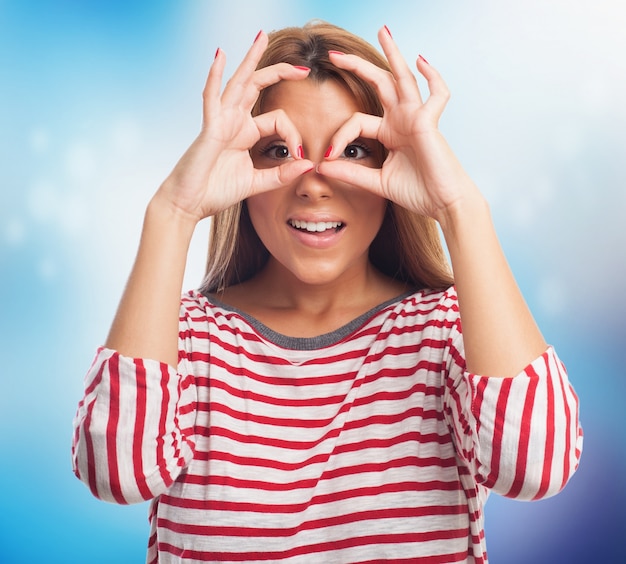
{"points": [[420, 173]]}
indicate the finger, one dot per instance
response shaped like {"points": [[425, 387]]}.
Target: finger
{"points": [[213, 85], [273, 74], [353, 174], [405, 79], [439, 93], [278, 123], [358, 125], [266, 179], [280, 71], [237, 85], [383, 81]]}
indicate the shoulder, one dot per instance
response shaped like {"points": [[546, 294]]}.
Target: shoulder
{"points": [[430, 302], [428, 313], [192, 304], [196, 307], [208, 311]]}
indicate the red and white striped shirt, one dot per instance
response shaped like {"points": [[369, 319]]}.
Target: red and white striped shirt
{"points": [[371, 443]]}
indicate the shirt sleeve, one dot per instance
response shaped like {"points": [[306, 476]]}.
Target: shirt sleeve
{"points": [[133, 430], [519, 436]]}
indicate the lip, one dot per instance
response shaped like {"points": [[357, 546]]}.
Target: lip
{"points": [[315, 218], [316, 240]]}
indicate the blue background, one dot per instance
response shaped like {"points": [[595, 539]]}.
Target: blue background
{"points": [[99, 99]]}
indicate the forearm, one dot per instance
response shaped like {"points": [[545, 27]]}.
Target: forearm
{"points": [[146, 323], [499, 332]]}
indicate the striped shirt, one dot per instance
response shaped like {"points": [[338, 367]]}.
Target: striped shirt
{"points": [[371, 443]]}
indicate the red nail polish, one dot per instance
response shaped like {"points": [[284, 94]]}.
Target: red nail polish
{"points": [[300, 152], [423, 59], [307, 69], [258, 35], [335, 53], [328, 152], [387, 30], [217, 52]]}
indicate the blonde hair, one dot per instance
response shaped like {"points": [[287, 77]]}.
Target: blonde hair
{"points": [[407, 247]]}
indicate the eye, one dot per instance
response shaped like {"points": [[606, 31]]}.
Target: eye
{"points": [[357, 151], [276, 151]]}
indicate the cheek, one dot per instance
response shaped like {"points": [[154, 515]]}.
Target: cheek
{"points": [[259, 207], [262, 211], [374, 210]]}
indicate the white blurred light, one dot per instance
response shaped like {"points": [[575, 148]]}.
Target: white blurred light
{"points": [[14, 232], [544, 191], [48, 269], [40, 140], [67, 212], [568, 140], [126, 136], [552, 296], [522, 212], [43, 201], [80, 162], [73, 215]]}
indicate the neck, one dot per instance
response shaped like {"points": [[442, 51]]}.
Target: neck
{"points": [[284, 290], [360, 287], [293, 307]]}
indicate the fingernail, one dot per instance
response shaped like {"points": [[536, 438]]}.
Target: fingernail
{"points": [[328, 152], [258, 35], [423, 59], [307, 69], [310, 169], [216, 53], [335, 53], [387, 30], [300, 152]]}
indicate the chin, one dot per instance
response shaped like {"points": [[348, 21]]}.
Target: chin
{"points": [[319, 270]]}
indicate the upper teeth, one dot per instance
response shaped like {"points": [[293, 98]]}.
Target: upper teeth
{"points": [[315, 226]]}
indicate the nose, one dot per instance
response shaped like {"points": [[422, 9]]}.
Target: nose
{"points": [[313, 186]]}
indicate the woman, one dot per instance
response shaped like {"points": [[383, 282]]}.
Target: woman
{"points": [[318, 401]]}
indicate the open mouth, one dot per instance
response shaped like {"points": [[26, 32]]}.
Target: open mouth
{"points": [[316, 226]]}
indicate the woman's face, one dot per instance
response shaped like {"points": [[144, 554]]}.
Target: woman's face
{"points": [[318, 229]]}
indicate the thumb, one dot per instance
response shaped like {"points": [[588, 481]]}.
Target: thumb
{"points": [[266, 179], [354, 174]]}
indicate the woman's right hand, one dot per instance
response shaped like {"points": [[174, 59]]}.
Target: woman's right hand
{"points": [[216, 171]]}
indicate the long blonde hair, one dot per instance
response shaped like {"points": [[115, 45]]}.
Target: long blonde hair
{"points": [[407, 247]]}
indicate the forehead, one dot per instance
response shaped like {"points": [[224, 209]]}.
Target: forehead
{"points": [[310, 98]]}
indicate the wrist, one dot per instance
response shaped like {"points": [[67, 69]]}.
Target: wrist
{"points": [[467, 212], [162, 212]]}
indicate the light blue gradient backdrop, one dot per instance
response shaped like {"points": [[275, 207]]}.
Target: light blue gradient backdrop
{"points": [[99, 99]]}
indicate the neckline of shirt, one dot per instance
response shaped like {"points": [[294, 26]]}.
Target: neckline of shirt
{"points": [[308, 343]]}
